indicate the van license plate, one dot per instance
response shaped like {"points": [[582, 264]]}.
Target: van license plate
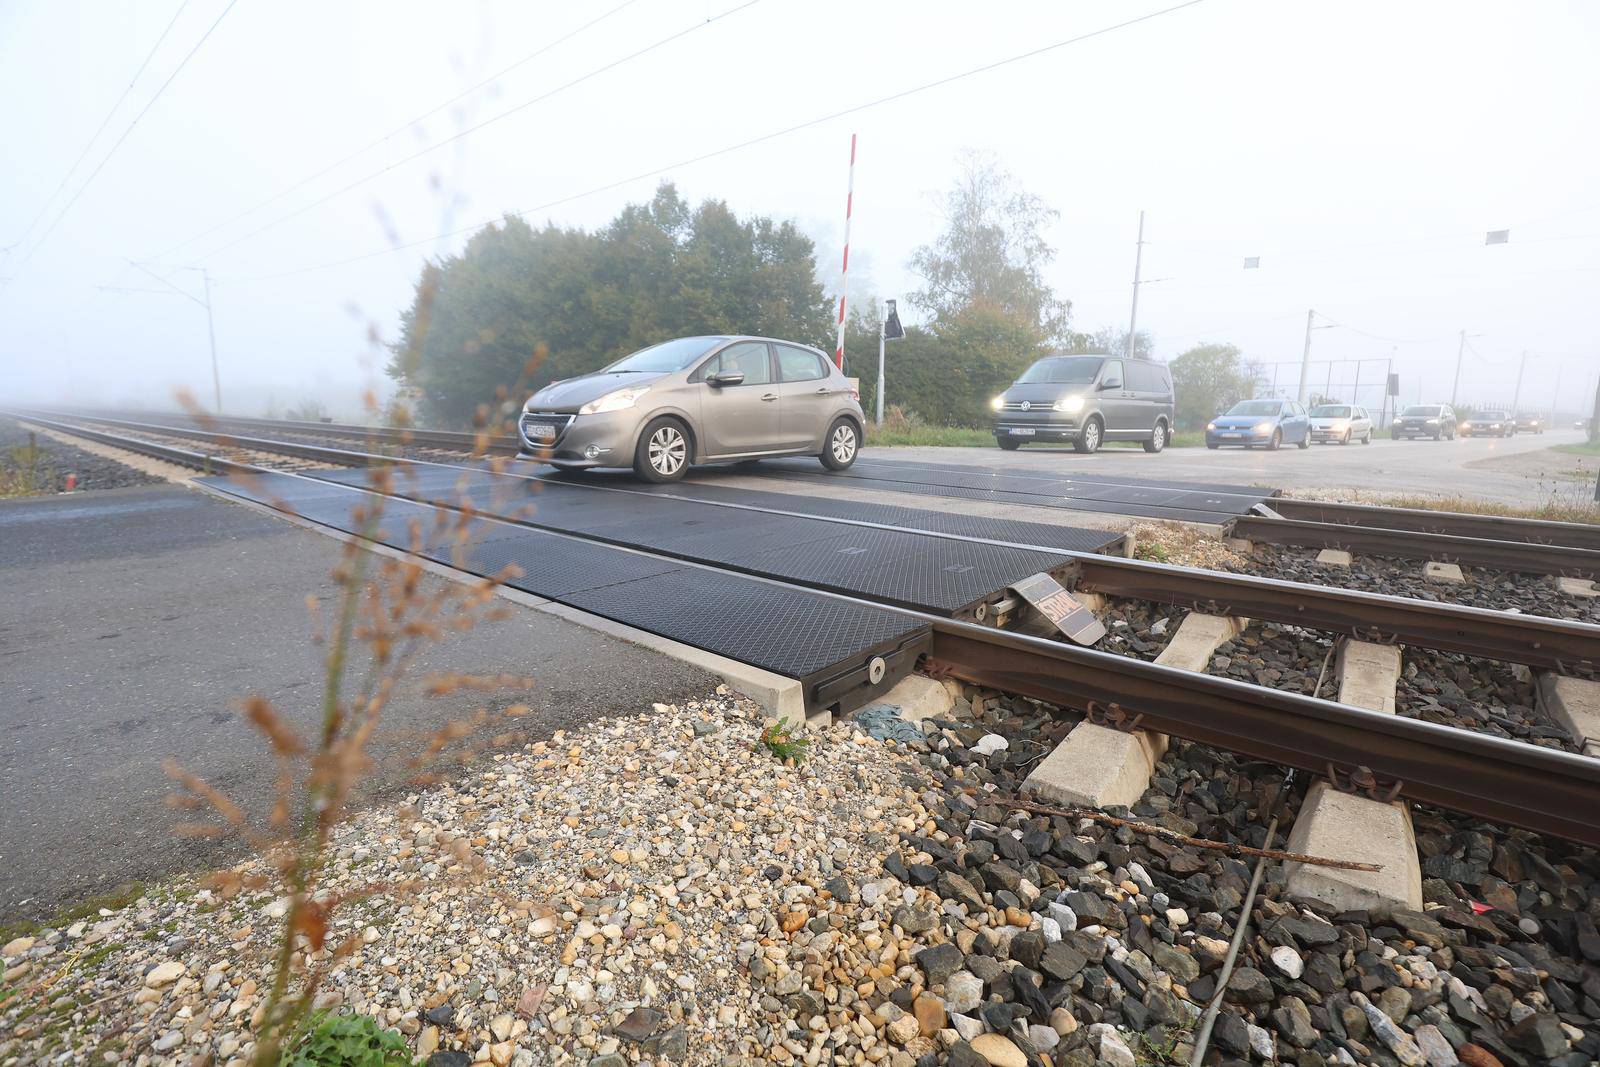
{"points": [[1018, 431], [542, 431]]}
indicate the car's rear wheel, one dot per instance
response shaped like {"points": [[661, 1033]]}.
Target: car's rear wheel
{"points": [[1008, 444], [1088, 439], [844, 441], [662, 454], [1158, 438]]}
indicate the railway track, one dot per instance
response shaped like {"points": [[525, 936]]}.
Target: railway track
{"points": [[1489, 777]]}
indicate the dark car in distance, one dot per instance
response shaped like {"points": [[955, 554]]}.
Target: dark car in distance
{"points": [[1086, 400], [1425, 420], [1488, 424], [1529, 424]]}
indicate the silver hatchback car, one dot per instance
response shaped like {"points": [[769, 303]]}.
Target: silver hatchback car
{"points": [[696, 400]]}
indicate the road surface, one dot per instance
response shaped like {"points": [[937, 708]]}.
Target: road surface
{"points": [[134, 619], [1512, 470]]}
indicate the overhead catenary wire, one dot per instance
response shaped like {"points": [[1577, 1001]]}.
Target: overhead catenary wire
{"points": [[738, 146], [104, 122], [474, 128], [397, 131], [119, 141]]}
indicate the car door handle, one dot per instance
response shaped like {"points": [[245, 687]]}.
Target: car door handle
{"points": [[824, 391], [769, 396]]}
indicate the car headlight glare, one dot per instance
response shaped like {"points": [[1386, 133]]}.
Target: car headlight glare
{"points": [[620, 400], [1433, 422], [998, 403], [1069, 403], [1263, 427], [1211, 426]]}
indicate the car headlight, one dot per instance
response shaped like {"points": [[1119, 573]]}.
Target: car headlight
{"points": [[1069, 403], [998, 403], [1211, 426], [620, 400], [1263, 427], [1433, 422]]}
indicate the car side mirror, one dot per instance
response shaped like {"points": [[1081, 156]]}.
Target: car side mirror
{"points": [[1111, 383], [717, 381]]}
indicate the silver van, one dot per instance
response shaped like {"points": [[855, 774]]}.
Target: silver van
{"points": [[1087, 400]]}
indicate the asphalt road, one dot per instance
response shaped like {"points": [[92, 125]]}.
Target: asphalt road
{"points": [[132, 621], [1513, 470]]}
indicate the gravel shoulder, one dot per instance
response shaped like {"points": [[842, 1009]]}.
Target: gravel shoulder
{"points": [[37, 464]]}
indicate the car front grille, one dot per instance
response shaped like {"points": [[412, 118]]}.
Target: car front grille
{"points": [[561, 423]]}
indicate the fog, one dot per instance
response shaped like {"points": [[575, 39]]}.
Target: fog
{"points": [[1361, 150]]}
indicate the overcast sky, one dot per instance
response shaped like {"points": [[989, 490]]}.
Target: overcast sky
{"points": [[1361, 149]]}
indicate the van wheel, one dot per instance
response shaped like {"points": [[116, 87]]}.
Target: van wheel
{"points": [[1008, 444], [844, 441], [662, 454], [1158, 438], [1088, 439]]}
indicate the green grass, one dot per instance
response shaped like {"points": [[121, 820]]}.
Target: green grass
{"points": [[115, 900], [1583, 448]]}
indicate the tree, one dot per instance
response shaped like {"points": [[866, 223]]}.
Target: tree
{"points": [[520, 306], [1113, 341], [1209, 379], [992, 254]]}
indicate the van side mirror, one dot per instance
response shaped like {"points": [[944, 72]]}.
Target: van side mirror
{"points": [[717, 381], [1111, 383]]}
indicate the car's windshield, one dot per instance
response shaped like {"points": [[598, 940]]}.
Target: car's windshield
{"points": [[1256, 407], [1062, 370], [663, 358], [1422, 409], [1490, 415], [1330, 411]]}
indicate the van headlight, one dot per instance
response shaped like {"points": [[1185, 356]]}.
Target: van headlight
{"points": [[998, 403], [620, 400], [1069, 403]]}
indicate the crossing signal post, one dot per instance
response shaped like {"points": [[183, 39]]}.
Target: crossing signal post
{"points": [[889, 329]]}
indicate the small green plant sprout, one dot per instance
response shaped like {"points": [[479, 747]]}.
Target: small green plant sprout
{"points": [[779, 739], [326, 1039]]}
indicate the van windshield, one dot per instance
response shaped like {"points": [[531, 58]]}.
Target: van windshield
{"points": [[1256, 407], [1062, 370]]}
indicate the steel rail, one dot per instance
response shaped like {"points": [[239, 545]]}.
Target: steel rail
{"points": [[1516, 637], [1409, 544], [394, 435], [1462, 524], [294, 449], [1541, 789], [202, 461]]}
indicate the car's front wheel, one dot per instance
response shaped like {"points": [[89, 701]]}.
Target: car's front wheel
{"points": [[844, 441], [1158, 438], [1088, 439], [662, 454], [1008, 444], [1276, 442]]}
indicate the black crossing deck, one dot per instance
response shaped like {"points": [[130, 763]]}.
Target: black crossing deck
{"points": [[908, 565], [1111, 494], [827, 643]]}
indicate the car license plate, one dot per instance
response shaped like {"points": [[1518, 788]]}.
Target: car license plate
{"points": [[1019, 431], [542, 431], [1231, 435]]}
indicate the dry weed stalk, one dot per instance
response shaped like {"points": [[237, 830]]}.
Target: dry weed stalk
{"points": [[385, 616]]}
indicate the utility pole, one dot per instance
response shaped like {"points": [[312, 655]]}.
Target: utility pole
{"points": [[883, 321], [1515, 397], [1556, 399], [211, 329], [1461, 348], [1305, 357], [1138, 258]]}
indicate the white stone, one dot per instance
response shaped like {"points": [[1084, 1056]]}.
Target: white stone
{"points": [[963, 992], [164, 974], [1064, 916], [966, 1025], [1288, 961], [989, 744], [1050, 928], [1113, 1049]]}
